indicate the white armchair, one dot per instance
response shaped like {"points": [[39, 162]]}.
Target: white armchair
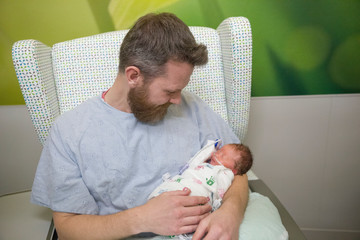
{"points": [[58, 78]]}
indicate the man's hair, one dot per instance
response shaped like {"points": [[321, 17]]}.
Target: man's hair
{"points": [[157, 38], [246, 160]]}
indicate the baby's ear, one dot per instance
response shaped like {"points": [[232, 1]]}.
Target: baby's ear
{"points": [[234, 172]]}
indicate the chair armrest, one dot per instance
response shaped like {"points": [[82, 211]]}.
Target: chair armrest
{"points": [[33, 66], [52, 234], [293, 229], [236, 47]]}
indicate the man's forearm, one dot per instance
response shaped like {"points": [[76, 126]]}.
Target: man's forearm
{"points": [[236, 197], [114, 226], [170, 213]]}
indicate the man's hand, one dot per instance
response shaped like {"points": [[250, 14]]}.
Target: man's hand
{"points": [[220, 225], [170, 213], [224, 223], [174, 213]]}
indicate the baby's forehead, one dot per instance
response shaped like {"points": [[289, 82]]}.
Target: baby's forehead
{"points": [[233, 150], [227, 150], [229, 147]]}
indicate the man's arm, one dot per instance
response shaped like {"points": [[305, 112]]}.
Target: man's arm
{"points": [[224, 223], [170, 213]]}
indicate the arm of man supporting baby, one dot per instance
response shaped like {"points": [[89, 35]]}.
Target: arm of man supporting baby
{"points": [[170, 213], [224, 223]]}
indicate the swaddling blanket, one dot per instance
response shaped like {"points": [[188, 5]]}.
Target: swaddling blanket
{"points": [[203, 179]]}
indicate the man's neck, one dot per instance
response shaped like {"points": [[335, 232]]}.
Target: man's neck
{"points": [[117, 95]]}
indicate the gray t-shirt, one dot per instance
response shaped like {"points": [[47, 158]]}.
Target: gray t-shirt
{"points": [[99, 160]]}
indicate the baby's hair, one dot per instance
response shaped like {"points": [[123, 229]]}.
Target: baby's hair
{"points": [[246, 160]]}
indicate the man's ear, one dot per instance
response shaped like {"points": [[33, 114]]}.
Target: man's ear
{"points": [[133, 76]]}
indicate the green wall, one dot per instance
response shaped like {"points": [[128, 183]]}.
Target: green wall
{"points": [[49, 21], [300, 47]]}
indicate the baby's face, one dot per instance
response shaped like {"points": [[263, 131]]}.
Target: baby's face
{"points": [[226, 155]]}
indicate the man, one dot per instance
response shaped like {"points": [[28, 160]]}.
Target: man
{"points": [[102, 159]]}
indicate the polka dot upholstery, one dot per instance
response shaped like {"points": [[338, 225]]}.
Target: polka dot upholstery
{"points": [[236, 44], [34, 70], [55, 80]]}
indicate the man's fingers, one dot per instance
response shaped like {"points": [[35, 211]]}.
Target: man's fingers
{"points": [[183, 212], [188, 201], [198, 210], [184, 192], [190, 224], [193, 220], [195, 201], [200, 232], [187, 229]]}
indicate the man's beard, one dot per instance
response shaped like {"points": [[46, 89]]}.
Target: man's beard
{"points": [[142, 109]]}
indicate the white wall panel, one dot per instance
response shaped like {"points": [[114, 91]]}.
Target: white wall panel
{"points": [[19, 149], [307, 149], [287, 136], [341, 182]]}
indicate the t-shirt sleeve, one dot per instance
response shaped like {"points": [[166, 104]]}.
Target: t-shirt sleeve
{"points": [[58, 182]]}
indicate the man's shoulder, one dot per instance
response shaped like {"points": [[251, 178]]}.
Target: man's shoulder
{"points": [[85, 110]]}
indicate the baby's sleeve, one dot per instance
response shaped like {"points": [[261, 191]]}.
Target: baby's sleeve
{"points": [[224, 180]]}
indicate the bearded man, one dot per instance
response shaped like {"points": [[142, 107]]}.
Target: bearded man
{"points": [[102, 159]]}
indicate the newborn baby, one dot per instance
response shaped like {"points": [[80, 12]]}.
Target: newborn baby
{"points": [[213, 175]]}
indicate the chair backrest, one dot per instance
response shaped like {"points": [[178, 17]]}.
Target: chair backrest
{"points": [[55, 80]]}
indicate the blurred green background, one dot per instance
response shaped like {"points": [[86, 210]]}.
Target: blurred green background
{"points": [[300, 47]]}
